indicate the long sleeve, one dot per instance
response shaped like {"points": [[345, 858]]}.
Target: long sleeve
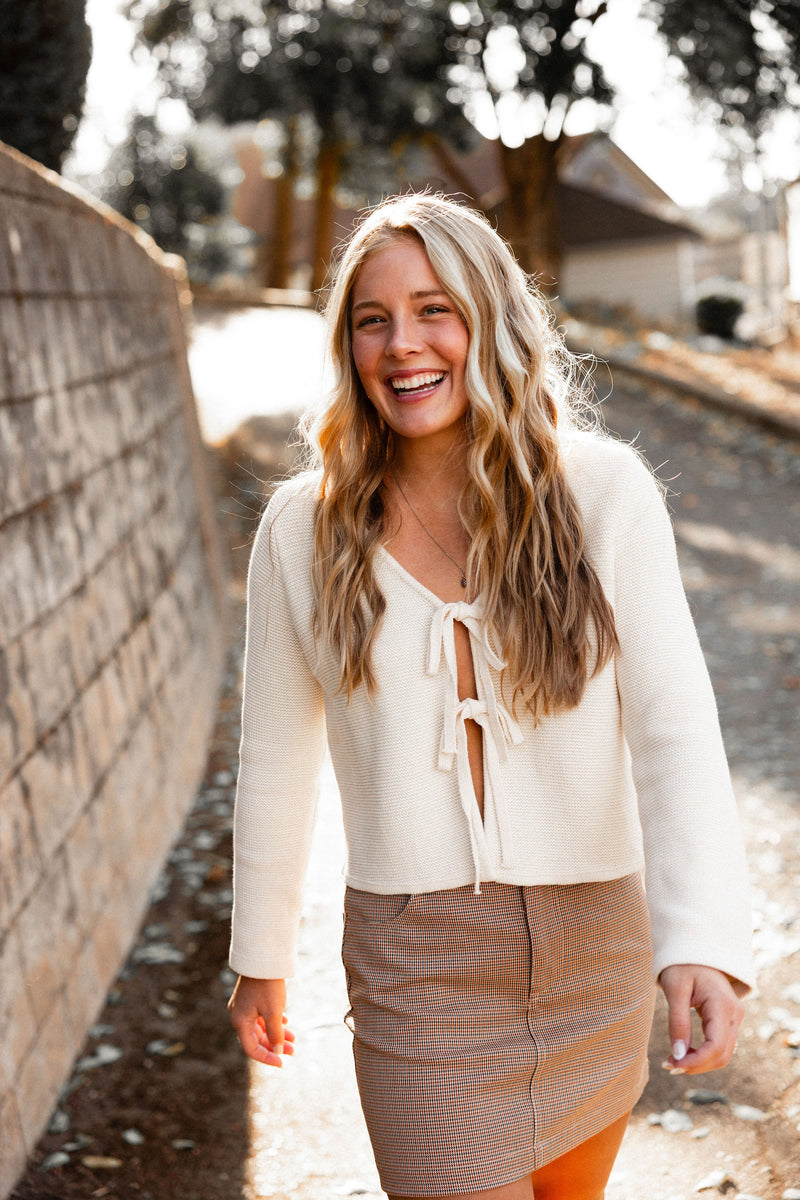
{"points": [[696, 874], [280, 757]]}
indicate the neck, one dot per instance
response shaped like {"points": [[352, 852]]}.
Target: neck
{"points": [[442, 469]]}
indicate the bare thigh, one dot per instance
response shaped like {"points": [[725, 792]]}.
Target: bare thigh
{"points": [[520, 1189], [580, 1174]]}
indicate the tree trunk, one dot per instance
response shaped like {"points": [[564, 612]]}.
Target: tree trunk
{"points": [[284, 209], [329, 166], [529, 214], [442, 154]]}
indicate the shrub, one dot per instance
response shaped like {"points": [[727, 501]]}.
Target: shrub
{"points": [[718, 312]]}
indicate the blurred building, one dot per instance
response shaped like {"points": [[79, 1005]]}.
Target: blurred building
{"points": [[747, 247], [626, 246], [792, 217], [625, 243]]}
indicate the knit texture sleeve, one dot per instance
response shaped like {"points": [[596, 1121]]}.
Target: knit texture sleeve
{"points": [[280, 758], [696, 874]]}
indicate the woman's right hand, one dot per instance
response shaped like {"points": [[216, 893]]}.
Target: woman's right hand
{"points": [[257, 1014]]}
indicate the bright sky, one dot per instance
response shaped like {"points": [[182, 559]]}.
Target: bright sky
{"points": [[654, 126]]}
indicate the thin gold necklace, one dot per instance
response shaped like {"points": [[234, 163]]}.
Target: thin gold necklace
{"points": [[435, 541]]}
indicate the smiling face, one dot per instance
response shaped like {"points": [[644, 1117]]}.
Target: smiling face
{"points": [[409, 344]]}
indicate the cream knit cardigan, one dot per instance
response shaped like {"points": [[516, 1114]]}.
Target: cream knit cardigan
{"points": [[634, 775]]}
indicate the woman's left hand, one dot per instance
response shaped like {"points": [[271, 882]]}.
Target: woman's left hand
{"points": [[714, 996]]}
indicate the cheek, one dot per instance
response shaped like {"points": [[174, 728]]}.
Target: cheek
{"points": [[363, 361], [459, 346], [366, 377]]}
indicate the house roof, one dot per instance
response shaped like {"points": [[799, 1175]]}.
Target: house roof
{"points": [[603, 195], [582, 155], [588, 218]]}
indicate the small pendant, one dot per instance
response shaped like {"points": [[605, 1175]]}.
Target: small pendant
{"points": [[463, 581]]}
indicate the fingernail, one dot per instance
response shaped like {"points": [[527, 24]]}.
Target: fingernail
{"points": [[278, 1048], [678, 1050], [678, 1071]]}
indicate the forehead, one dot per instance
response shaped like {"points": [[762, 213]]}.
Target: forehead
{"points": [[402, 265]]}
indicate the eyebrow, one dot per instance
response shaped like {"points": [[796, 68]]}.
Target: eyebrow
{"points": [[414, 296]]}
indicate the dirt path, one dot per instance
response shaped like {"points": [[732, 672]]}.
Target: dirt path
{"points": [[180, 1083]]}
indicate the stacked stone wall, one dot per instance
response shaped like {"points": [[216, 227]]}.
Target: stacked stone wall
{"points": [[111, 616]]}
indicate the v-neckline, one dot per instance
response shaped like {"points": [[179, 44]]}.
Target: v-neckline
{"points": [[433, 599]]}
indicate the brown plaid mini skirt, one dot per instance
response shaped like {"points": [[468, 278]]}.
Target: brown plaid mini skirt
{"points": [[494, 1032]]}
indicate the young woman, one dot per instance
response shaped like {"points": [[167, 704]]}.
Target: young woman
{"points": [[480, 603]]}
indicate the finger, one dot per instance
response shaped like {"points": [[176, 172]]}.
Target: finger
{"points": [[275, 1030], [721, 1017], [709, 1056], [262, 1025], [679, 1000], [287, 1033], [253, 1041]]}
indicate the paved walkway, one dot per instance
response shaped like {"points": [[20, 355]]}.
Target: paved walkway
{"points": [[254, 360]]}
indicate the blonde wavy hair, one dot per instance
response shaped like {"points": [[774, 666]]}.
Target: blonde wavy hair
{"points": [[543, 602]]}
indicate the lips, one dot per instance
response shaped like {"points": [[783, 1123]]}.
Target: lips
{"points": [[410, 385]]}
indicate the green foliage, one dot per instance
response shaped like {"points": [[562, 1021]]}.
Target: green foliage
{"points": [[164, 186], [369, 78], [45, 52], [370, 72], [549, 38], [378, 71], [741, 57], [362, 73]]}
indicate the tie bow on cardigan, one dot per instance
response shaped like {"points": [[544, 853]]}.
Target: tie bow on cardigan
{"points": [[497, 724]]}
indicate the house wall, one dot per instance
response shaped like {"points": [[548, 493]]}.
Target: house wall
{"points": [[111, 605], [654, 279]]}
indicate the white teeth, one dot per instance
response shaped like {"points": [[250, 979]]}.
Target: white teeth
{"points": [[410, 382]]}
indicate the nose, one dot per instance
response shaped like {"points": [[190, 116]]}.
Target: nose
{"points": [[403, 337]]}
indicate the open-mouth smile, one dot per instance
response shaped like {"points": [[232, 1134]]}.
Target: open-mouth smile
{"points": [[413, 385]]}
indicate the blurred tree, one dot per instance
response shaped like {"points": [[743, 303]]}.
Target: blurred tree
{"points": [[162, 183], [531, 52], [393, 70], [360, 73], [741, 58], [45, 52]]}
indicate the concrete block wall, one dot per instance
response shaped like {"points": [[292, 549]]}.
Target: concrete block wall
{"points": [[111, 616]]}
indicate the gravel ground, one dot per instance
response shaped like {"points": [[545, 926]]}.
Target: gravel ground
{"points": [[736, 506], [163, 1105]]}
